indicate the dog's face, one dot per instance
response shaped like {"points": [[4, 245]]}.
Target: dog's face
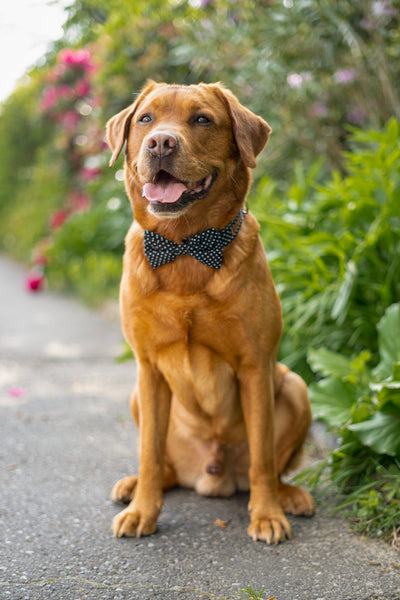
{"points": [[184, 143], [178, 144]]}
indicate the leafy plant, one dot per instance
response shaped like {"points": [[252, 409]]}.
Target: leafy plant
{"points": [[85, 254], [362, 408], [250, 593], [334, 248]]}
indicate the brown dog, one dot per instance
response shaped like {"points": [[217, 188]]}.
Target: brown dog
{"points": [[215, 410]]}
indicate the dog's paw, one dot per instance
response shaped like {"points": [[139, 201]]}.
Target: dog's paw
{"points": [[271, 530], [131, 522], [124, 490], [295, 500]]}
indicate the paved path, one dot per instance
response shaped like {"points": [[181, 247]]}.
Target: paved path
{"points": [[69, 436]]}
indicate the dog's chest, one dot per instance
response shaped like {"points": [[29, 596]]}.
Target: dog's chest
{"points": [[194, 355]]}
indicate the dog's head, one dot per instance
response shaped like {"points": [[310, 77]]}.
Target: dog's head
{"points": [[185, 144]]}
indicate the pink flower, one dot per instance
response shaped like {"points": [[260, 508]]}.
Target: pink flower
{"points": [[65, 92], [79, 201], [57, 219], [16, 392], [89, 174], [296, 80], [50, 97], [68, 119], [34, 280], [82, 88], [75, 58]]}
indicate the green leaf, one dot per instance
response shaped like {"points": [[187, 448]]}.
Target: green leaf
{"points": [[332, 401], [381, 432], [389, 341], [396, 371], [340, 307], [329, 363], [387, 391]]}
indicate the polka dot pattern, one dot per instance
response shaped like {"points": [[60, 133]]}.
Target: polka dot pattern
{"points": [[206, 246]]}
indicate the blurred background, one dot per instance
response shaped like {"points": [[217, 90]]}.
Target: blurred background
{"points": [[325, 75]]}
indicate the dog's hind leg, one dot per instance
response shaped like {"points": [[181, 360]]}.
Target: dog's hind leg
{"points": [[292, 420]]}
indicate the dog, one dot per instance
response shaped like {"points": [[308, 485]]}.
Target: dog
{"points": [[216, 412]]}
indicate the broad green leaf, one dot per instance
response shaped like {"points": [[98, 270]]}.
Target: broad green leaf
{"points": [[389, 341], [329, 363], [396, 371], [381, 432], [332, 401], [387, 391]]}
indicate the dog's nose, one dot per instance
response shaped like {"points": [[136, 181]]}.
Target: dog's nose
{"points": [[161, 144]]}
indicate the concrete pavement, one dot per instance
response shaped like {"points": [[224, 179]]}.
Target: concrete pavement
{"points": [[66, 436]]}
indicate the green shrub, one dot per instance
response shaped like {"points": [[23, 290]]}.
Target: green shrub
{"points": [[85, 255], [334, 248], [362, 408]]}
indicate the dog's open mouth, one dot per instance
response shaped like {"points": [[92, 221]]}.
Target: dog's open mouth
{"points": [[167, 189]]}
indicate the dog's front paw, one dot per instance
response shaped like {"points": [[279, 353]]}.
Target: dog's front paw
{"points": [[269, 529], [132, 522]]}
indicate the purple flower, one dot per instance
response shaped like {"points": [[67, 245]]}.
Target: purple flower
{"points": [[318, 109], [356, 115], [345, 76]]}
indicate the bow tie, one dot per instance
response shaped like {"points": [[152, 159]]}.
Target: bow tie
{"points": [[206, 246]]}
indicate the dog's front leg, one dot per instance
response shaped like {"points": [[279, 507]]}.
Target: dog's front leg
{"points": [[267, 519], [140, 517]]}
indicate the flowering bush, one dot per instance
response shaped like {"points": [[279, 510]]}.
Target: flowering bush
{"points": [[310, 68], [68, 81], [69, 101]]}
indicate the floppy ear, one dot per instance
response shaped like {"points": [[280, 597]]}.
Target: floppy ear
{"points": [[117, 128], [251, 131]]}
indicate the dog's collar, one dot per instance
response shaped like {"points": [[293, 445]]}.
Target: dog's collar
{"points": [[206, 246]]}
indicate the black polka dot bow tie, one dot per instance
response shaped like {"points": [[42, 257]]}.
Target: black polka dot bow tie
{"points": [[206, 246]]}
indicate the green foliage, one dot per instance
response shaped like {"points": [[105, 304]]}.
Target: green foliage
{"points": [[85, 255], [40, 191], [308, 67], [94, 276], [250, 593], [22, 138], [362, 408], [334, 248]]}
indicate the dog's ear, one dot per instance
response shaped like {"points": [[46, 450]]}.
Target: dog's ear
{"points": [[117, 128], [251, 131]]}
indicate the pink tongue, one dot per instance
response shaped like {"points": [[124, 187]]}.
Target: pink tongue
{"points": [[164, 192]]}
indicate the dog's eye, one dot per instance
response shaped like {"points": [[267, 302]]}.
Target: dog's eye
{"points": [[145, 119], [202, 120]]}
